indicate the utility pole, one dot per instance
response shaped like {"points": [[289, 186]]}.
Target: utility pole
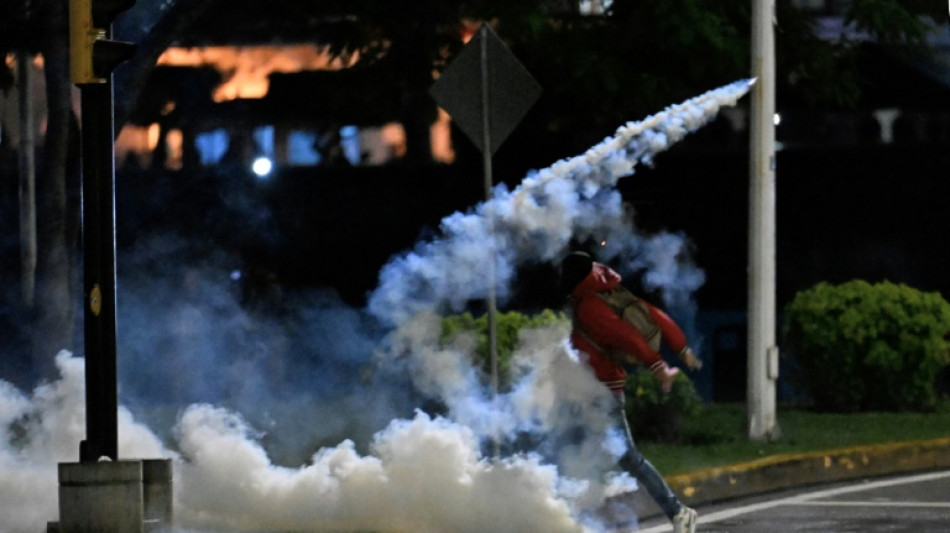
{"points": [[762, 349]]}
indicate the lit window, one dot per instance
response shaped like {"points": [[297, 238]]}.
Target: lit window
{"points": [[302, 148], [174, 141], [350, 142], [383, 144], [212, 146], [264, 140]]}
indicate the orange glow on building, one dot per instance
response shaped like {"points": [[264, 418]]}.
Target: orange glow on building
{"points": [[245, 72], [174, 143], [468, 28], [137, 141], [440, 135], [245, 69], [395, 137]]}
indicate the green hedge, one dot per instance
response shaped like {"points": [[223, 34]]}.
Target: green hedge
{"points": [[658, 417], [868, 347], [507, 328]]}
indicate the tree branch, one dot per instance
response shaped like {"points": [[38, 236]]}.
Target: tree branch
{"points": [[131, 77]]}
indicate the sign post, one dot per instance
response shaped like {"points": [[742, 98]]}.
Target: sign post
{"points": [[487, 92]]}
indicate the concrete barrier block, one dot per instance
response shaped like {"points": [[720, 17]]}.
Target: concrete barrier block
{"points": [[101, 497]]}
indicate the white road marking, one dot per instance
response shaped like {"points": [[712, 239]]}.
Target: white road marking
{"points": [[803, 499], [875, 503]]}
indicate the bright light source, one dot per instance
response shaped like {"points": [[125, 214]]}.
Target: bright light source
{"points": [[262, 166], [777, 119]]}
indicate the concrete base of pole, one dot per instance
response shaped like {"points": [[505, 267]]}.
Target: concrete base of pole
{"points": [[157, 495], [114, 497]]}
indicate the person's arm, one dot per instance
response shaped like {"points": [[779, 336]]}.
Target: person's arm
{"points": [[674, 337], [605, 327]]}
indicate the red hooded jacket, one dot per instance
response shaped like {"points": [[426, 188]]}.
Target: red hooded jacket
{"points": [[597, 321]]}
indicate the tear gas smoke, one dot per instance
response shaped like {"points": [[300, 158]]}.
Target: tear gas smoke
{"points": [[572, 199], [426, 473], [277, 416], [41, 430]]}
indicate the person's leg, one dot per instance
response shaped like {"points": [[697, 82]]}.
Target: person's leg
{"points": [[646, 474]]}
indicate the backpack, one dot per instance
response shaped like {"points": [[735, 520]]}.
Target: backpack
{"points": [[633, 310]]}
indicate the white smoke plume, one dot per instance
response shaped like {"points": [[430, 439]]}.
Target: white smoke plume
{"points": [[431, 471], [574, 198], [40, 431], [426, 473]]}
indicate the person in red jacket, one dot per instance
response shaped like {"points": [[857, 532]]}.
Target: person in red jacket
{"points": [[613, 328]]}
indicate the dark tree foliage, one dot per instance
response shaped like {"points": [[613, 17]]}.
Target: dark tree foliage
{"points": [[594, 70], [823, 72]]}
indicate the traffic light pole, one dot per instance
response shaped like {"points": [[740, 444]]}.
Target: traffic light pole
{"points": [[96, 495], [92, 58], [98, 213]]}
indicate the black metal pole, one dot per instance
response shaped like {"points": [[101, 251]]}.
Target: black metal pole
{"points": [[98, 221]]}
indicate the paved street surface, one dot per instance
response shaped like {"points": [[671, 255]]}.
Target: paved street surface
{"points": [[917, 503]]}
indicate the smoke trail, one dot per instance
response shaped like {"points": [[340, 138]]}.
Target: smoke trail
{"points": [[574, 198]]}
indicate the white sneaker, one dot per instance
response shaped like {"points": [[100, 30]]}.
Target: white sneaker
{"points": [[685, 521]]}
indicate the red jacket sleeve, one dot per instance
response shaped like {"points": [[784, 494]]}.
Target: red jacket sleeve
{"points": [[609, 330], [671, 333]]}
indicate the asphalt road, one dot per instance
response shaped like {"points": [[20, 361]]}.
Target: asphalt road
{"points": [[918, 503]]}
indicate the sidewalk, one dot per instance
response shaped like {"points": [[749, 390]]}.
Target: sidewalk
{"points": [[795, 470]]}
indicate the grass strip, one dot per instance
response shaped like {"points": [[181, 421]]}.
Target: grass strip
{"points": [[719, 436]]}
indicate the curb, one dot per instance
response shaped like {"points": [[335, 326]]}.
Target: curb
{"points": [[796, 470]]}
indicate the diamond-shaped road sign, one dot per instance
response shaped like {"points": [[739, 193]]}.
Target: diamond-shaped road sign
{"points": [[485, 64]]}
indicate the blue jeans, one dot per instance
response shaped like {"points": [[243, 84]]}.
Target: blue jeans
{"points": [[646, 474]]}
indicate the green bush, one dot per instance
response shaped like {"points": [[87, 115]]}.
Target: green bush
{"points": [[655, 416], [868, 347], [507, 327]]}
